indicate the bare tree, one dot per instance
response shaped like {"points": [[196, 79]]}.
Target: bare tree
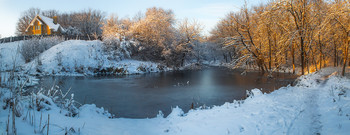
{"points": [[189, 39], [155, 31], [90, 21], [25, 19], [274, 32], [50, 13], [85, 22], [339, 18]]}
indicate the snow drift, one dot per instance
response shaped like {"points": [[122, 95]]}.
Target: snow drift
{"points": [[77, 57], [316, 105]]}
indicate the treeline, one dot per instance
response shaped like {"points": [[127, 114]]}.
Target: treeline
{"points": [[84, 22], [159, 37], [155, 35], [311, 34]]}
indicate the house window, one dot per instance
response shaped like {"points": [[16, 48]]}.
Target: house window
{"points": [[37, 27]]}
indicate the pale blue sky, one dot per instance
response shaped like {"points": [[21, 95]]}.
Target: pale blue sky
{"points": [[207, 12]]}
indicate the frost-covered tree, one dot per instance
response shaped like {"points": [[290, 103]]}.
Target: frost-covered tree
{"points": [[50, 13], [25, 19], [116, 35], [338, 19], [155, 32], [90, 21], [28, 15], [285, 33], [116, 27], [111, 27], [84, 22], [72, 31], [189, 40]]}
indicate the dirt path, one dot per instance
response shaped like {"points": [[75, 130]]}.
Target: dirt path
{"points": [[312, 111]]}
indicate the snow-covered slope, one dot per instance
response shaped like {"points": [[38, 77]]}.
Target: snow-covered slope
{"points": [[10, 55], [77, 57], [316, 105]]}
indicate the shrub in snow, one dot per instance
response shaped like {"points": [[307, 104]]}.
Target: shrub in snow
{"points": [[11, 102], [59, 57], [117, 49], [142, 68], [90, 109], [176, 112], [150, 52], [173, 57], [40, 102], [44, 99], [254, 93], [72, 31], [160, 114], [33, 47]]}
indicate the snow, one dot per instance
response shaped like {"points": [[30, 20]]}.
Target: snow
{"points": [[318, 104], [77, 57], [9, 55], [69, 58], [50, 23]]}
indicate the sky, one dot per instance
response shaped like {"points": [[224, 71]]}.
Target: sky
{"points": [[207, 12]]}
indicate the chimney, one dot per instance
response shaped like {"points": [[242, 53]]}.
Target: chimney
{"points": [[55, 19]]}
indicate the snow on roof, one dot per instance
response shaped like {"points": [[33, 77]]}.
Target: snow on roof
{"points": [[49, 22]]}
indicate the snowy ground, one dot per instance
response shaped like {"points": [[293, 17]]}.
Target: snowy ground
{"points": [[318, 104], [73, 57], [9, 55]]}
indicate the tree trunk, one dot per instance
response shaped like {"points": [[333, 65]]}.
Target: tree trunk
{"points": [[302, 54], [261, 65], [230, 56], [346, 54], [307, 61], [335, 53], [270, 52], [321, 52], [345, 61], [293, 59], [315, 62], [183, 59], [225, 57]]}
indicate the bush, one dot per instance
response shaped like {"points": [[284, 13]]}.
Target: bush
{"points": [[33, 47], [45, 99], [72, 31], [117, 49]]}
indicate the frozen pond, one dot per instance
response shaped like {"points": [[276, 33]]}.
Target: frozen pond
{"points": [[142, 96]]}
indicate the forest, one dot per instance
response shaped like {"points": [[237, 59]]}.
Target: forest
{"points": [[310, 34]]}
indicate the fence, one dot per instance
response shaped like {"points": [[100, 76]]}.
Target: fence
{"points": [[65, 37]]}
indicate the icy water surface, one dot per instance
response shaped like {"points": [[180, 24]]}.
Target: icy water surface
{"points": [[142, 96]]}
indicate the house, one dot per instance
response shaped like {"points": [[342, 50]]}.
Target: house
{"points": [[42, 25]]}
